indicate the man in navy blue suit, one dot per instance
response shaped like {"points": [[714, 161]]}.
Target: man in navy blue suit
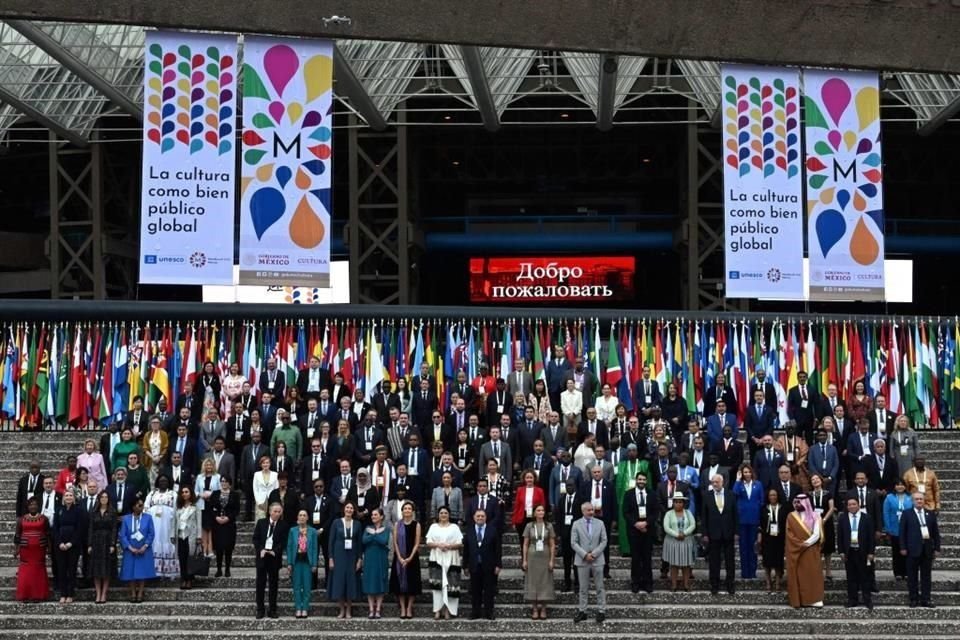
{"points": [[717, 422], [767, 462], [556, 373], [856, 544], [758, 420], [920, 543]]}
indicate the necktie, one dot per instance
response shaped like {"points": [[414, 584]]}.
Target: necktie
{"points": [[922, 517], [863, 496], [90, 501], [480, 535], [496, 450], [769, 455], [853, 526], [316, 462], [346, 482], [596, 490], [823, 451], [279, 465], [786, 489], [803, 392], [180, 446], [589, 527], [46, 502], [120, 494], [270, 530], [483, 503]]}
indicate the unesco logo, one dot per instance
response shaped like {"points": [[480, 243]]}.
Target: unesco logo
{"points": [[773, 275], [149, 259], [198, 259]]}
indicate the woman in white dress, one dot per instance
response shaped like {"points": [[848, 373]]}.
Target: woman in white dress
{"points": [[264, 481], [445, 541], [161, 504]]}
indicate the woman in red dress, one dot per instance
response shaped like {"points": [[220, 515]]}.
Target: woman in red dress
{"points": [[31, 542]]}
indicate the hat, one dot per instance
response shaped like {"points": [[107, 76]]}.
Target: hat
{"points": [[678, 495]]}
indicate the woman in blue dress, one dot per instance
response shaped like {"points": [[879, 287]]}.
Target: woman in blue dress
{"points": [[343, 549], [136, 541], [376, 541], [302, 561]]}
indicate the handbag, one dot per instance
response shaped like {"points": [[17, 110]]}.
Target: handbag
{"points": [[198, 565]]}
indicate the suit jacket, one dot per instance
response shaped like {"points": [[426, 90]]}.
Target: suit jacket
{"points": [[715, 428], [877, 479], [600, 428], [911, 536], [870, 504], [713, 394], [448, 434], [326, 514], [360, 444], [24, 494], [423, 409], [482, 556], [546, 469], [889, 418], [279, 385], [759, 426], [769, 395], [720, 526], [665, 498], [865, 533], [492, 508], [424, 472], [494, 401], [237, 437], [129, 496], [766, 472], [804, 416], [506, 458], [608, 498], [141, 425], [105, 450], [631, 511], [705, 478], [555, 373], [795, 490], [303, 382], [190, 401], [731, 455], [526, 436], [382, 404], [826, 409], [640, 398], [189, 457], [825, 465], [855, 448], [583, 542], [523, 385], [228, 465], [550, 443], [290, 502], [397, 443], [187, 478], [248, 466], [554, 488], [280, 532]]}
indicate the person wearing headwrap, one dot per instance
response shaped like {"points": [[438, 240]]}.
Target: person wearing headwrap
{"points": [[804, 575]]}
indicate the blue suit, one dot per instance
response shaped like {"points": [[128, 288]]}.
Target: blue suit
{"points": [[691, 476], [919, 551], [748, 515], [554, 488], [715, 428], [137, 566], [824, 465], [855, 451], [766, 472]]}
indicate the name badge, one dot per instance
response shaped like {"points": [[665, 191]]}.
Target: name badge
{"points": [[461, 463], [412, 471], [568, 519], [500, 408], [348, 544], [563, 489], [804, 403], [310, 432], [789, 456], [648, 399], [862, 511], [239, 435], [824, 464], [904, 449], [139, 536], [271, 385], [774, 529], [595, 502], [539, 545], [642, 512], [854, 538], [899, 513], [615, 469], [344, 491], [316, 517], [315, 475], [361, 500], [669, 503], [380, 481], [119, 506], [924, 532], [368, 445], [819, 512], [529, 512], [268, 545], [922, 488]]}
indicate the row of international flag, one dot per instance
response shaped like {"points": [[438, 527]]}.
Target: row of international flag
{"points": [[77, 373]]}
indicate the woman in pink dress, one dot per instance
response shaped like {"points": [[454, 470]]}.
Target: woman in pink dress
{"points": [[31, 544], [92, 461]]}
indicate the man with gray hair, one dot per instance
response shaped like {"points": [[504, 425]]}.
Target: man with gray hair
{"points": [[588, 538]]}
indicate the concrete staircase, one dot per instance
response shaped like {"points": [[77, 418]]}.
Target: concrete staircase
{"points": [[220, 606]]}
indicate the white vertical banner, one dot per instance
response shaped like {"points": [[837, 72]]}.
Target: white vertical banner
{"points": [[287, 151], [189, 158], [844, 184], [763, 199]]}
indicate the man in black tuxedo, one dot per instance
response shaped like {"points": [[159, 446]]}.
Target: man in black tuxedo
{"points": [[565, 510], [803, 407], [640, 513], [720, 527], [423, 404], [237, 427], [600, 493], [869, 504], [179, 475], [485, 502], [122, 495], [881, 421], [920, 543], [321, 513], [856, 544], [769, 391], [758, 421], [646, 394], [529, 431], [482, 562], [30, 486], [273, 381], [269, 544], [463, 390]]}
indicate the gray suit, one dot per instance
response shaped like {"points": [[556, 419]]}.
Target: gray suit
{"points": [[607, 470], [227, 467], [524, 384], [593, 543], [506, 458]]}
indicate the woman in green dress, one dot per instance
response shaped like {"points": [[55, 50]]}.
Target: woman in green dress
{"points": [[137, 475], [376, 542], [627, 472], [124, 448]]}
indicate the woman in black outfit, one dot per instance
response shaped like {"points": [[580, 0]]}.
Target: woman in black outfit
{"points": [[224, 509], [674, 410], [68, 532]]}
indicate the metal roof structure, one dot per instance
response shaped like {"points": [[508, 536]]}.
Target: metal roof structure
{"points": [[75, 79]]}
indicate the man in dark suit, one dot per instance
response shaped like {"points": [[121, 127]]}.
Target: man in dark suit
{"points": [[803, 407], [499, 402], [881, 421], [720, 527], [597, 427], [824, 460], [456, 420], [399, 432], [786, 488], [868, 504], [384, 398], [443, 432], [179, 475], [767, 462], [556, 368], [856, 544], [269, 545], [186, 419], [711, 468], [237, 428], [729, 449], [859, 447], [424, 375], [646, 394], [641, 513], [463, 390], [416, 459], [920, 543], [224, 462], [566, 509], [553, 434], [309, 421], [759, 421], [528, 432], [601, 495], [424, 403], [249, 464], [769, 391], [187, 400], [268, 415], [482, 561], [312, 379], [542, 465], [718, 421], [122, 494], [881, 469], [719, 391], [321, 513], [186, 447], [273, 381], [483, 501], [109, 440], [367, 438], [326, 407], [30, 486]]}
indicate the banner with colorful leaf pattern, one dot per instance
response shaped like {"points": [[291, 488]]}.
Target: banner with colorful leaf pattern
{"points": [[286, 168], [189, 157], [762, 182]]}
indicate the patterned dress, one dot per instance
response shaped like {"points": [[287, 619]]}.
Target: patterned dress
{"points": [[161, 505]]}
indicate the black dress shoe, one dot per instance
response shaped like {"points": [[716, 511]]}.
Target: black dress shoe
{"points": [[491, 617], [850, 605], [869, 606], [219, 574], [579, 616], [473, 616], [273, 614], [914, 604], [928, 605], [714, 592], [227, 573], [635, 588], [649, 589], [732, 591], [260, 615], [601, 616]]}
